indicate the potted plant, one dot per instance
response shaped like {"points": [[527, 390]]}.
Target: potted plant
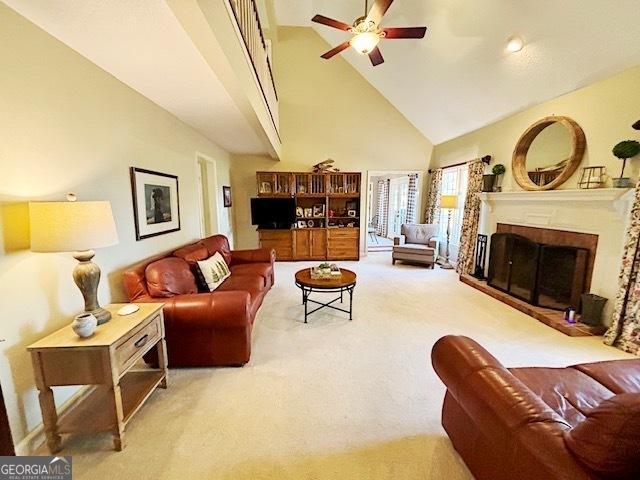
{"points": [[625, 150], [498, 170]]}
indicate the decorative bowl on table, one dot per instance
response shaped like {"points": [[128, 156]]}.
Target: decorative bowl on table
{"points": [[325, 270]]}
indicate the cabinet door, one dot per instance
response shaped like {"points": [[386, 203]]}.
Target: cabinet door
{"points": [[319, 244], [302, 244]]}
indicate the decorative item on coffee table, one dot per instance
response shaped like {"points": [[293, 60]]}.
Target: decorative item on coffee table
{"points": [[325, 270]]}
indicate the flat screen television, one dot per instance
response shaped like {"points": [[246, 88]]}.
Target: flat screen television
{"points": [[273, 212]]}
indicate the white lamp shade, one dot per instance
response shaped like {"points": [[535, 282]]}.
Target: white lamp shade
{"points": [[449, 201], [71, 226]]}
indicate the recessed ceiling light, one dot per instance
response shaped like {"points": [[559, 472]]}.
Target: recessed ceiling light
{"points": [[514, 44]]}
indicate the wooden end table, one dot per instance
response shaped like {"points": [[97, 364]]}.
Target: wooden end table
{"points": [[107, 361], [344, 283]]}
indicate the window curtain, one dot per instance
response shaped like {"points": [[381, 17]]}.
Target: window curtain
{"points": [[412, 195], [624, 332], [432, 214], [470, 218], [383, 207]]}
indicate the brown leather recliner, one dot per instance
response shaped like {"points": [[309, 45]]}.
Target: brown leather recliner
{"points": [[205, 328], [575, 423]]}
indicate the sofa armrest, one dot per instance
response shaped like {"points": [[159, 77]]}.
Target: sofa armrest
{"points": [[524, 430], [433, 243], [259, 255], [216, 310], [401, 240], [484, 387]]}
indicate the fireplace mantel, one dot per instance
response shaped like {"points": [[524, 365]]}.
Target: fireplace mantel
{"points": [[614, 198]]}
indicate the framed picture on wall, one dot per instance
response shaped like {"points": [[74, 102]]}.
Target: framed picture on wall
{"points": [[226, 196], [156, 205]]}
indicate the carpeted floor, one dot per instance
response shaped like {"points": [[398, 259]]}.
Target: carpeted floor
{"points": [[332, 399]]}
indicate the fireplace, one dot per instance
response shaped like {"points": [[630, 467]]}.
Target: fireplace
{"points": [[543, 267]]}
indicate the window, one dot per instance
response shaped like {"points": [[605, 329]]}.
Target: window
{"points": [[454, 182]]}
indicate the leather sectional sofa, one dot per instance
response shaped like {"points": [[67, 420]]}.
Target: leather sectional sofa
{"points": [[205, 328], [575, 423]]}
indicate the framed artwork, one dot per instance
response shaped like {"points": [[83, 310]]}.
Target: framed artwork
{"points": [[226, 196], [308, 212], [351, 213], [156, 205], [318, 210], [265, 187], [299, 212]]}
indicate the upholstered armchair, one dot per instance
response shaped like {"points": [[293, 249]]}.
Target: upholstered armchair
{"points": [[418, 243]]}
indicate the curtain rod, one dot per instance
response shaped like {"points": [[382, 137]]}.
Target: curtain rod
{"points": [[486, 159]]}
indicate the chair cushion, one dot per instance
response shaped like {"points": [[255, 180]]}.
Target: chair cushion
{"points": [[415, 248], [608, 441], [265, 270], [569, 392], [168, 277], [619, 376], [419, 233]]}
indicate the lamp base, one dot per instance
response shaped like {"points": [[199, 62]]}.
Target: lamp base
{"points": [[102, 315], [86, 274], [447, 265]]}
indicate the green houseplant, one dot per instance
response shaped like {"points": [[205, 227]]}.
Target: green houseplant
{"points": [[498, 170], [625, 150]]}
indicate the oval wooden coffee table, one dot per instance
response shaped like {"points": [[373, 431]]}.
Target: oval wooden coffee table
{"points": [[344, 283]]}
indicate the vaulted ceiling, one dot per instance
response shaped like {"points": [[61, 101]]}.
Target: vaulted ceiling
{"points": [[459, 77]]}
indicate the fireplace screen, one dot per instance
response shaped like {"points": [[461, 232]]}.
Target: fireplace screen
{"points": [[545, 275]]}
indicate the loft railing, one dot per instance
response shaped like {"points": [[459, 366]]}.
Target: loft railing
{"points": [[248, 21]]}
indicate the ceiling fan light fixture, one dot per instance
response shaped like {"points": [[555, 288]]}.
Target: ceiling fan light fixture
{"points": [[365, 42], [514, 44]]}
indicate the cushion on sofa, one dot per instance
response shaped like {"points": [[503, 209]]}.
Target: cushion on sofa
{"points": [[214, 270], [218, 243], [414, 248], [265, 270], [608, 441], [569, 392], [192, 254], [619, 376], [168, 277]]}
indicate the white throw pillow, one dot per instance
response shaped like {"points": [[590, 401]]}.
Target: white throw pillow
{"points": [[214, 270]]}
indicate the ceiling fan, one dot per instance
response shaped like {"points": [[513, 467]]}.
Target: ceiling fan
{"points": [[367, 32]]}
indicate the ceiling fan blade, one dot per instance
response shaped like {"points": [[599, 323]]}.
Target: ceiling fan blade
{"points": [[335, 50], [378, 10], [330, 22], [376, 57], [405, 32]]}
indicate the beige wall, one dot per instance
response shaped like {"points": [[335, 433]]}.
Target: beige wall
{"points": [[68, 126], [327, 110], [605, 111]]}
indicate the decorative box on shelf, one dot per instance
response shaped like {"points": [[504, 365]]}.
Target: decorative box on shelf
{"points": [[324, 271]]}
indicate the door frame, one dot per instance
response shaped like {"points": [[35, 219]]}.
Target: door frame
{"points": [[378, 173], [207, 195]]}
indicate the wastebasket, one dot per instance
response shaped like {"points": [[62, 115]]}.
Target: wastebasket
{"points": [[592, 306]]}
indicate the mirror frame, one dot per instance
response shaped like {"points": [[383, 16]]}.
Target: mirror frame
{"points": [[519, 161]]}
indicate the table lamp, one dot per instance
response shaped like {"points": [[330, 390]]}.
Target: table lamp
{"points": [[76, 227], [448, 202]]}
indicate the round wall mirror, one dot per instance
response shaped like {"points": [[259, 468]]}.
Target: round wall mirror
{"points": [[548, 153]]}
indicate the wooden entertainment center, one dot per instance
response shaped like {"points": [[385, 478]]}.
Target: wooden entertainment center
{"points": [[327, 204]]}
